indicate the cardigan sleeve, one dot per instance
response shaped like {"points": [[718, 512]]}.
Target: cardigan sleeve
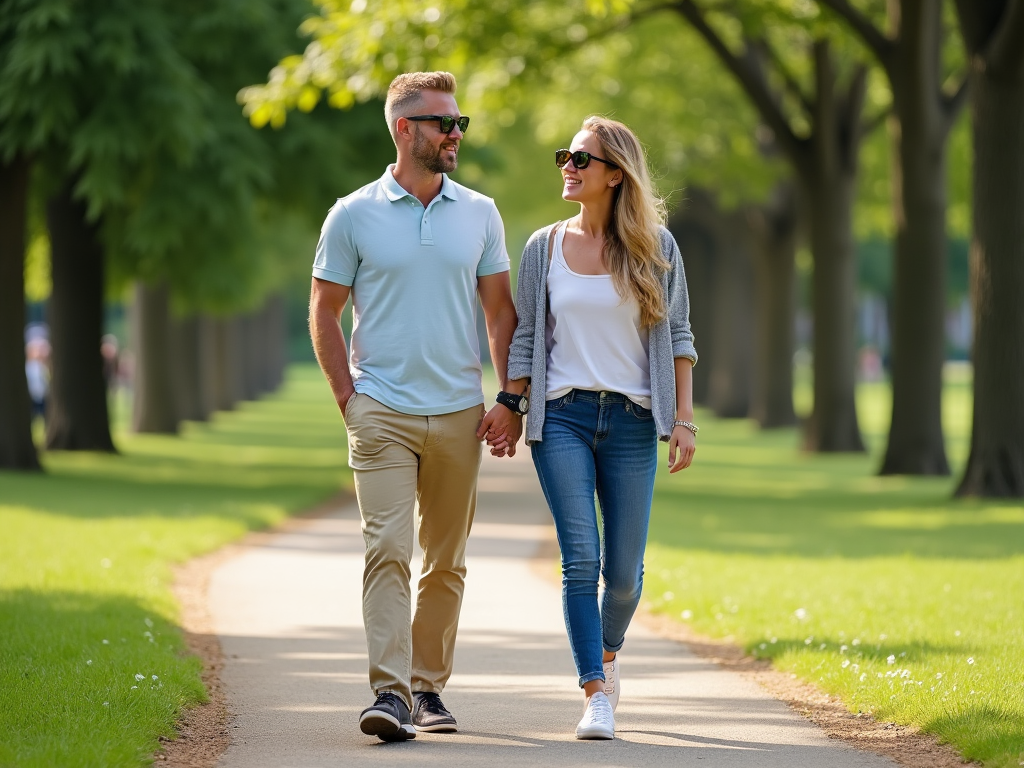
{"points": [[520, 355], [678, 300]]}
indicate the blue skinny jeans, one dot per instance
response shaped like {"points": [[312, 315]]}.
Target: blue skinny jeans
{"points": [[598, 442]]}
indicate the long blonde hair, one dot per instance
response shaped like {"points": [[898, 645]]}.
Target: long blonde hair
{"points": [[632, 248]]}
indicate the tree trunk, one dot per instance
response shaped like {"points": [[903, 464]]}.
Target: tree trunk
{"points": [[278, 334], [155, 409], [996, 464], [694, 226], [255, 352], [828, 180], [186, 366], [223, 357], [919, 133], [733, 323], [209, 367], [231, 375], [236, 354], [775, 286], [833, 422], [78, 419], [17, 451]]}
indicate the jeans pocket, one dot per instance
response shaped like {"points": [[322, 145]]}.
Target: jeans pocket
{"points": [[643, 414], [558, 403]]}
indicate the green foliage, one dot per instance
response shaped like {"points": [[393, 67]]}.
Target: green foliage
{"points": [[85, 569], [880, 590], [136, 102], [548, 64]]}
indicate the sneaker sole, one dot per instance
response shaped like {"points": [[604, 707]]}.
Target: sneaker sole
{"points": [[438, 728], [385, 727], [594, 734]]}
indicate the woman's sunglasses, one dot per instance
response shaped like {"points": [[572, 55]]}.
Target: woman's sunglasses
{"points": [[580, 159], [446, 123]]}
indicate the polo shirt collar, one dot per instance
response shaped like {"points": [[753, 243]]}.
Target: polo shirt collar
{"points": [[395, 191]]}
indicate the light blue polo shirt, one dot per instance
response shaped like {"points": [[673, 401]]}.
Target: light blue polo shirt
{"points": [[413, 273]]}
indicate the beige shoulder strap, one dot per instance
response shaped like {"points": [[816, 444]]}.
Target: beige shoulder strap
{"points": [[551, 239]]}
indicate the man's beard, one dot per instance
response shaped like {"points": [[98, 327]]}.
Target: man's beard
{"points": [[429, 158]]}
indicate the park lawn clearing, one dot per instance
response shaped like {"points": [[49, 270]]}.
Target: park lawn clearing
{"points": [[93, 668], [884, 591]]}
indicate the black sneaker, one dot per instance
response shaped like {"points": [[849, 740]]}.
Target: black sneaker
{"points": [[388, 719], [429, 714]]}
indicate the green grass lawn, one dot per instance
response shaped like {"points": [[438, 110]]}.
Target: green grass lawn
{"points": [[92, 668], [882, 590], [885, 591]]}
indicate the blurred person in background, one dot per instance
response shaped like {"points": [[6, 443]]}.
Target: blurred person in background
{"points": [[37, 371], [110, 353]]}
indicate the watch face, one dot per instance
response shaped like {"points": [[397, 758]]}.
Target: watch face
{"points": [[524, 404]]}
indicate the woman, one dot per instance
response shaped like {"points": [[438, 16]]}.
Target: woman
{"points": [[604, 343]]}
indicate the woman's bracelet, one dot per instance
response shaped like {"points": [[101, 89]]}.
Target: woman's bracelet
{"points": [[689, 425]]}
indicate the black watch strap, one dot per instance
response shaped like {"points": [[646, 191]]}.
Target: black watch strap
{"points": [[516, 403]]}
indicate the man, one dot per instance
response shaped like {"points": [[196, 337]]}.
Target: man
{"points": [[414, 249]]}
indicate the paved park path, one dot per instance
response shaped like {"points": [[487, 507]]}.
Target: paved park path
{"points": [[288, 616]]}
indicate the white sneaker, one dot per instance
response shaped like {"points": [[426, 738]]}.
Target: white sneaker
{"points": [[611, 681], [598, 721]]}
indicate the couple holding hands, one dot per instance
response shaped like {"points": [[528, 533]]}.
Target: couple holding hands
{"points": [[596, 348]]}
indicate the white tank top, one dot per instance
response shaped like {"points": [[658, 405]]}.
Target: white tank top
{"points": [[594, 338]]}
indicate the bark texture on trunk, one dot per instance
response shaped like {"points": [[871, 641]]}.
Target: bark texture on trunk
{"points": [[186, 368], [826, 163], [254, 352], [223, 357], [209, 374], [919, 132], [828, 180], [695, 226], [17, 451], [993, 31], [155, 409], [775, 226], [230, 371], [278, 335], [732, 329], [78, 419], [833, 422]]}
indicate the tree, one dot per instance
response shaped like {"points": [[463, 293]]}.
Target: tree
{"points": [[923, 115], [993, 31], [776, 225], [824, 159], [356, 50], [17, 451], [78, 419], [86, 91]]}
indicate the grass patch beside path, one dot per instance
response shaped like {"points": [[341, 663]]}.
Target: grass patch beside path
{"points": [[881, 590], [91, 664]]}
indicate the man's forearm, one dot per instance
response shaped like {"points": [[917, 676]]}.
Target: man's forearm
{"points": [[331, 352], [499, 338]]}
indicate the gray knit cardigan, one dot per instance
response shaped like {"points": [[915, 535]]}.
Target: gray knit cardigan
{"points": [[669, 339]]}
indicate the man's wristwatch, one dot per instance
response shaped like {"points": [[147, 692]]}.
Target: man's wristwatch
{"points": [[516, 403]]}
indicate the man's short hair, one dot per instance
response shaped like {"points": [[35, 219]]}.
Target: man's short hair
{"points": [[404, 94]]}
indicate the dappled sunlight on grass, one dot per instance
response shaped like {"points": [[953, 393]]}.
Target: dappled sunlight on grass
{"points": [[87, 556], [884, 590]]}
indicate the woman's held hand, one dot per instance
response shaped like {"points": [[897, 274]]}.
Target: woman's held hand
{"points": [[681, 447]]}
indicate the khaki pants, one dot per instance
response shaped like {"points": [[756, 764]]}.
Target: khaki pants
{"points": [[400, 460]]}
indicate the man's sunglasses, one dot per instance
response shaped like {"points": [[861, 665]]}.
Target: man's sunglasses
{"points": [[580, 159], [446, 123]]}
